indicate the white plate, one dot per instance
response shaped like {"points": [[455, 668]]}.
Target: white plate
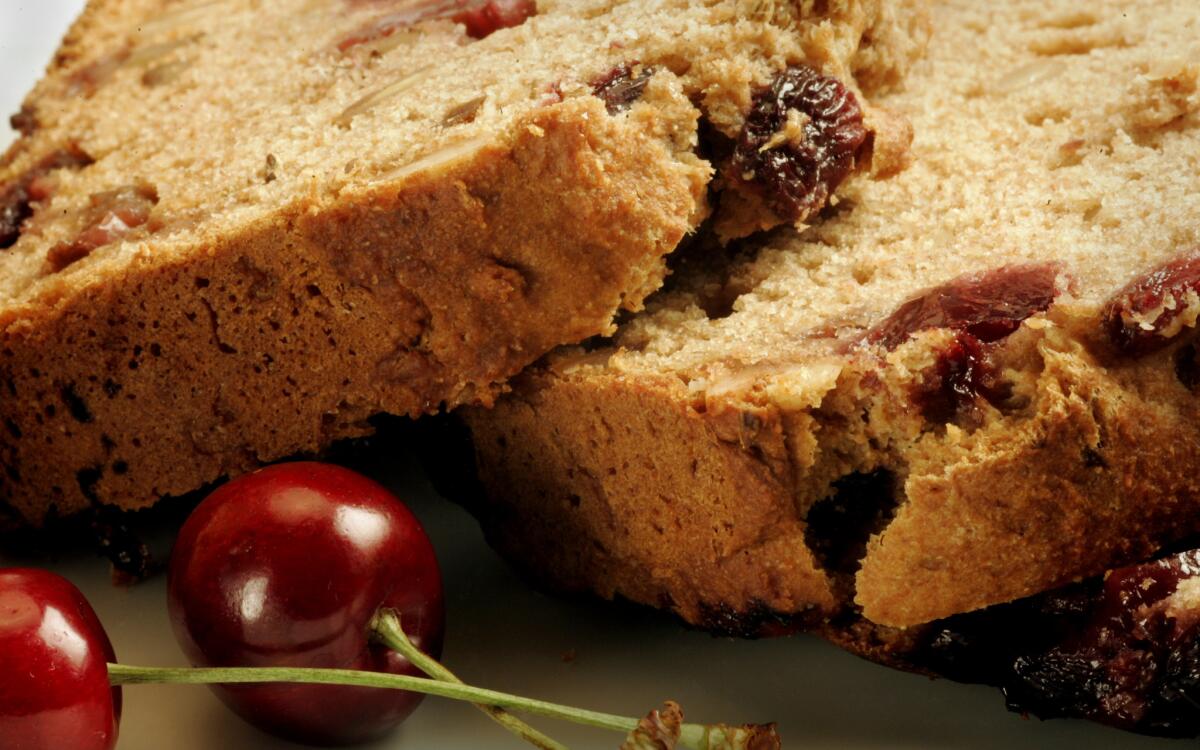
{"points": [[505, 636]]}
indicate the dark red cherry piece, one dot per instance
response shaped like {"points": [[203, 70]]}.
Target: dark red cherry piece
{"points": [[286, 567], [797, 172], [54, 654], [484, 19], [620, 87], [989, 306], [480, 18], [1144, 316], [963, 372]]}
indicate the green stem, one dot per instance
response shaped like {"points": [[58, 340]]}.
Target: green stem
{"points": [[692, 736], [121, 674], [385, 627]]}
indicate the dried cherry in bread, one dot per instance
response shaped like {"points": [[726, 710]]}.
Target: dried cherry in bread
{"points": [[620, 87], [988, 306], [481, 19], [800, 141], [110, 216], [963, 373], [17, 199], [1153, 309], [484, 19]]}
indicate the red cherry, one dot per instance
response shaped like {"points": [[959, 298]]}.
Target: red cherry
{"points": [[54, 654], [484, 19], [286, 567]]}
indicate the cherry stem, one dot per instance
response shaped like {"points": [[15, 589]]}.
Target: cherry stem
{"points": [[122, 674], [692, 736], [386, 629]]}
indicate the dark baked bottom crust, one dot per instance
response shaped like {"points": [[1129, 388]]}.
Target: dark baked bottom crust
{"points": [[1122, 649]]}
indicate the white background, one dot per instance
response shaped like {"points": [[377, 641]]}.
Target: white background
{"points": [[505, 636]]}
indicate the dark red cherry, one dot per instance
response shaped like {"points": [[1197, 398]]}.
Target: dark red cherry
{"points": [[54, 654], [286, 567], [620, 87], [480, 18], [484, 19], [1143, 317], [796, 175], [988, 306]]}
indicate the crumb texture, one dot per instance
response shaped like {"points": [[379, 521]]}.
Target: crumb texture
{"points": [[953, 334]]}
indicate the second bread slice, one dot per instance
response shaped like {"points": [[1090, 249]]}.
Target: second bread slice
{"points": [[970, 383]]}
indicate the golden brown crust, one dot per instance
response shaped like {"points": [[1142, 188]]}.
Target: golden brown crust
{"points": [[1104, 473], [290, 335], [629, 487], [607, 478]]}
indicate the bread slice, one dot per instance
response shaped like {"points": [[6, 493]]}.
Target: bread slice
{"points": [[971, 382], [234, 231]]}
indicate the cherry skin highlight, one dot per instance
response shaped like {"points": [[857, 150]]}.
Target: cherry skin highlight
{"points": [[54, 654], [286, 567]]}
